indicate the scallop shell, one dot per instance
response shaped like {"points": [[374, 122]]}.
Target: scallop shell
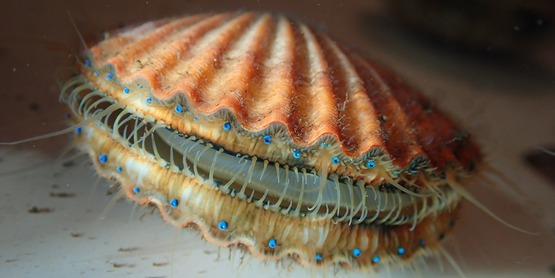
{"points": [[264, 132], [268, 70]]}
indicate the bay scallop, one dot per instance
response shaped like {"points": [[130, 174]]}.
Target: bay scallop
{"points": [[268, 134]]}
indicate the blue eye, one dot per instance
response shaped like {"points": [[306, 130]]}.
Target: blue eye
{"points": [[103, 158], [356, 252], [174, 203], [267, 139], [370, 164], [297, 154], [222, 225], [272, 243], [227, 126], [335, 160], [319, 256], [178, 109]]}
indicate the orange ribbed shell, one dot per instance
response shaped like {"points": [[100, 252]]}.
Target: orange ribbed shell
{"points": [[268, 69]]}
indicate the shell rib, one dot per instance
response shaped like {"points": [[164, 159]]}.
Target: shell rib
{"points": [[270, 70]]}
